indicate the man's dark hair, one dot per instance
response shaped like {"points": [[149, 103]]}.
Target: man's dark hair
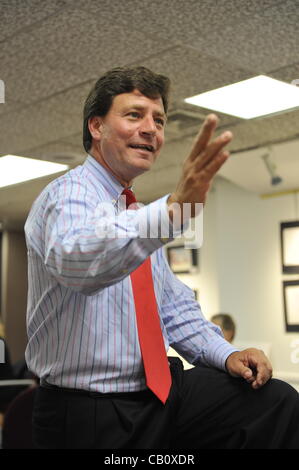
{"points": [[226, 321], [117, 81]]}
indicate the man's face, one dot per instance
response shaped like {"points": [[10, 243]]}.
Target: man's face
{"points": [[131, 135]]}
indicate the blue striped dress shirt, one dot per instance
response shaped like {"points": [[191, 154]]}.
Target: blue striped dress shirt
{"points": [[81, 316]]}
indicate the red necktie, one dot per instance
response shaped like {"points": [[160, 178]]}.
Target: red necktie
{"points": [[155, 362]]}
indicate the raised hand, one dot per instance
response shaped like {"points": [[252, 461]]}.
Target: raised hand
{"points": [[205, 159]]}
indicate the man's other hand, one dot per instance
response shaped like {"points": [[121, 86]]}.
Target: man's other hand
{"points": [[251, 364]]}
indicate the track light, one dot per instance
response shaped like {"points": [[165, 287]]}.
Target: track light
{"points": [[271, 167]]}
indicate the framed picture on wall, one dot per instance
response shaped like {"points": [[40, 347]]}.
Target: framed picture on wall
{"points": [[181, 259], [289, 235], [291, 305], [0, 271]]}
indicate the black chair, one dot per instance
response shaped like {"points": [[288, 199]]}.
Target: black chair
{"points": [[17, 427], [9, 389]]}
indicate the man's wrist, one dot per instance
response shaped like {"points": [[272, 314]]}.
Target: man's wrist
{"points": [[176, 212]]}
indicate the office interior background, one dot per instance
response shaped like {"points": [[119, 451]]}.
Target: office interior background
{"points": [[52, 53]]}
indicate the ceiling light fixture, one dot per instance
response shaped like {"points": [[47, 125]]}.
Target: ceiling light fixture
{"points": [[256, 97], [14, 169]]}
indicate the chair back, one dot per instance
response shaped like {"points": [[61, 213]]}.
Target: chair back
{"points": [[17, 426]]}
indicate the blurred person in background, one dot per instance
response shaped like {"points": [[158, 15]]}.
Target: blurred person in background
{"points": [[227, 325]]}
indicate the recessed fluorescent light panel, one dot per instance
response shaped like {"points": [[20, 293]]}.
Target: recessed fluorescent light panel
{"points": [[15, 169], [252, 98]]}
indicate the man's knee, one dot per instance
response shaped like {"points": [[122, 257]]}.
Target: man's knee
{"points": [[282, 392]]}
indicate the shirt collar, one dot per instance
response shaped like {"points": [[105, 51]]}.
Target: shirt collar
{"points": [[110, 183]]}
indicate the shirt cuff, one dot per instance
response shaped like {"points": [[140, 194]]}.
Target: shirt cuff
{"points": [[217, 352]]}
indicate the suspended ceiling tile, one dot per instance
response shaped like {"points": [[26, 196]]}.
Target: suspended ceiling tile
{"points": [[59, 152], [8, 107], [100, 45], [264, 41], [260, 132], [75, 139], [16, 15], [175, 20], [31, 84], [33, 126], [287, 74], [192, 72]]}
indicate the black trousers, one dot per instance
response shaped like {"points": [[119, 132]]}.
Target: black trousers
{"points": [[206, 409]]}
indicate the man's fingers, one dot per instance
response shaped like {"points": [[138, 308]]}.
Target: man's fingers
{"points": [[213, 150], [261, 368], [263, 375], [256, 380], [202, 164], [204, 136], [252, 365], [214, 165]]}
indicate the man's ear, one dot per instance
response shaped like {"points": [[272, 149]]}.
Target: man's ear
{"points": [[95, 126]]}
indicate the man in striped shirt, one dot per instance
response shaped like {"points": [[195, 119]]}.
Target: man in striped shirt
{"points": [[83, 339]]}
